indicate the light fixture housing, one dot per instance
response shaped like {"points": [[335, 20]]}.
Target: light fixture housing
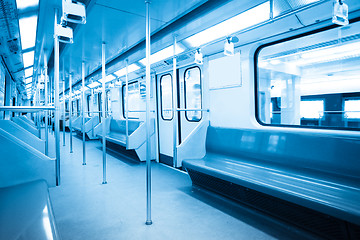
{"points": [[64, 33], [340, 13], [73, 11], [199, 59]]}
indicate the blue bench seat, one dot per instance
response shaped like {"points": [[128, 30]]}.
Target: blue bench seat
{"points": [[313, 171], [117, 131]]}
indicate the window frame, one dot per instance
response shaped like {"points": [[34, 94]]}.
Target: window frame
{"points": [[172, 99], [201, 100], [256, 73]]}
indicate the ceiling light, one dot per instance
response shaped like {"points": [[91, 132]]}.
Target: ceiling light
{"points": [[131, 68], [28, 31], [93, 85], [28, 72], [241, 21], [163, 54], [28, 80], [199, 59], [28, 58], [109, 78], [22, 4]]}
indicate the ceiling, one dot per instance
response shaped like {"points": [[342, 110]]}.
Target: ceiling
{"points": [[121, 25]]}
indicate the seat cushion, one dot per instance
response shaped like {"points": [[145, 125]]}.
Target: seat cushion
{"points": [[309, 189], [117, 138]]}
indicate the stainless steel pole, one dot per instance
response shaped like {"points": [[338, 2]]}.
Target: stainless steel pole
{"points": [[175, 113], [148, 127], [70, 111], [127, 104], [56, 81], [83, 110], [103, 112], [64, 105], [46, 104]]}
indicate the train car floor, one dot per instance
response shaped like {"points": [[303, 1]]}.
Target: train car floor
{"points": [[85, 208]]}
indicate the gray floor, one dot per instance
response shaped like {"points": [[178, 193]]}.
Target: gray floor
{"points": [[86, 209]]}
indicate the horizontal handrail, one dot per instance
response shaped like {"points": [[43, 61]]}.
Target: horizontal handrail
{"points": [[25, 108], [192, 109]]}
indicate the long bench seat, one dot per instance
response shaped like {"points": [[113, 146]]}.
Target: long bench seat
{"points": [[116, 133], [307, 178], [26, 212], [27, 126], [20, 162], [90, 124], [23, 135], [77, 125]]}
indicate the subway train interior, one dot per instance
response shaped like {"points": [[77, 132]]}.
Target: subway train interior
{"points": [[179, 119]]}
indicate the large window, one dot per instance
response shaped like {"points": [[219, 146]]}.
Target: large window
{"points": [[108, 104], [135, 103], [352, 108], [323, 67], [166, 93], [192, 78], [312, 109]]}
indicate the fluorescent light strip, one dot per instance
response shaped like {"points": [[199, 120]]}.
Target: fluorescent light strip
{"points": [[28, 27], [241, 21], [93, 85], [109, 78], [131, 68], [28, 59], [22, 4], [28, 80], [163, 54], [28, 72]]}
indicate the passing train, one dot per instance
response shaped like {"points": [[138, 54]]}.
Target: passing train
{"points": [[180, 119]]}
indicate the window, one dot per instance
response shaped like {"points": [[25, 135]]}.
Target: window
{"points": [[166, 94], [135, 102], [88, 97], [312, 109], [352, 109], [301, 81], [108, 104], [192, 78]]}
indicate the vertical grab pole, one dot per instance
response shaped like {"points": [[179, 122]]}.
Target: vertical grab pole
{"points": [[83, 109], [70, 111], [127, 104], [148, 127], [175, 116], [46, 104], [64, 102], [63, 77], [103, 111], [57, 105]]}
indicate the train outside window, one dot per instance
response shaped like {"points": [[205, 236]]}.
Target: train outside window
{"points": [[193, 94], [310, 80], [135, 101], [166, 93]]}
